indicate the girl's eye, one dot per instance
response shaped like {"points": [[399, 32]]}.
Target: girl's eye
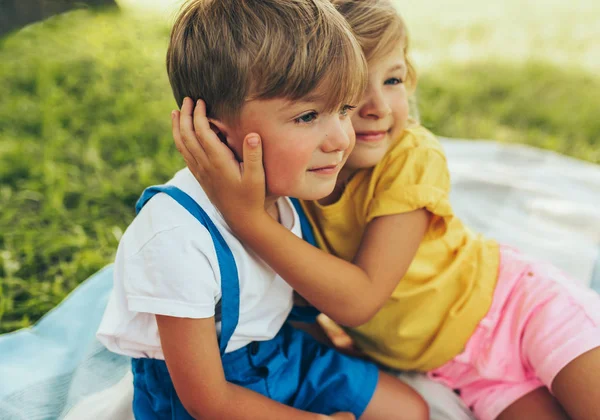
{"points": [[306, 118], [346, 109], [393, 81]]}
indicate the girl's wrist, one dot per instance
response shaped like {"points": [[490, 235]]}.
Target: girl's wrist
{"points": [[248, 223]]}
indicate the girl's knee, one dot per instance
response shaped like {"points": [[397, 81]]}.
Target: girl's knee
{"points": [[577, 385]]}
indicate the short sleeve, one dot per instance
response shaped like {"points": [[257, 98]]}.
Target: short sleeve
{"points": [[173, 274], [412, 179]]}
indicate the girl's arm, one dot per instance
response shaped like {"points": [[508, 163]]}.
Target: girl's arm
{"points": [[192, 356], [349, 293]]}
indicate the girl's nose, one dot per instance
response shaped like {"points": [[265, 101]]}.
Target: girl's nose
{"points": [[374, 105]]}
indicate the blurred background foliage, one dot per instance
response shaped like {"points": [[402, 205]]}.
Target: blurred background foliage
{"points": [[85, 103]]}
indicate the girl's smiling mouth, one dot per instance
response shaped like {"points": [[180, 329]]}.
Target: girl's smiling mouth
{"points": [[370, 136]]}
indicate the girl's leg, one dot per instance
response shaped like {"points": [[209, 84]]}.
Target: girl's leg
{"points": [[538, 404], [560, 338], [577, 386], [394, 400]]}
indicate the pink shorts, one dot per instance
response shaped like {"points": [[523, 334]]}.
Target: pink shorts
{"points": [[539, 321]]}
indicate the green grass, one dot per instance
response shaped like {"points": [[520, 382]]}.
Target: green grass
{"points": [[84, 121], [522, 71], [84, 106], [534, 103], [562, 32]]}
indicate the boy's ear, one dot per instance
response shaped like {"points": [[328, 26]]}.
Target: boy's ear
{"points": [[224, 133], [219, 128]]}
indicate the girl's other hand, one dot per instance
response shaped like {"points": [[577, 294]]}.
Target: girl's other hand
{"points": [[338, 337], [236, 189]]}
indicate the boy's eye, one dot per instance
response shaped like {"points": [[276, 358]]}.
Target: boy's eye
{"points": [[307, 118], [393, 81], [346, 109]]}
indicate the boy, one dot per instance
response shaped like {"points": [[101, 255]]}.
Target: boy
{"points": [[201, 316]]}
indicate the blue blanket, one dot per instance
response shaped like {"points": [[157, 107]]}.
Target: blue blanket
{"points": [[47, 369]]}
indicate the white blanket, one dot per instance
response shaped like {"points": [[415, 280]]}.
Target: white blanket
{"points": [[546, 204]]}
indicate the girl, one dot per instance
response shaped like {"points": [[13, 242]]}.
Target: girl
{"points": [[416, 289]]}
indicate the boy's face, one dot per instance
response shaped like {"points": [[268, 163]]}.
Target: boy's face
{"points": [[382, 113], [303, 147]]}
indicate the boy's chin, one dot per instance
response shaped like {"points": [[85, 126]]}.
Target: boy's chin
{"points": [[309, 193], [315, 194]]}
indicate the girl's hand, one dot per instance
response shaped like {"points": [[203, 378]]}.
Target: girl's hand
{"points": [[338, 337], [236, 189]]}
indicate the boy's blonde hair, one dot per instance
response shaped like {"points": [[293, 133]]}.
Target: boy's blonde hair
{"points": [[231, 51], [378, 27]]}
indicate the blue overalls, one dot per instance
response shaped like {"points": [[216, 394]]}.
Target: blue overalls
{"points": [[292, 368]]}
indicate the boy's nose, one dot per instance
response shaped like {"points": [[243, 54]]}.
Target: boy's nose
{"points": [[338, 137]]}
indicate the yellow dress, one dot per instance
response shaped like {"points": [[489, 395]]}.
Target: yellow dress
{"points": [[449, 285]]}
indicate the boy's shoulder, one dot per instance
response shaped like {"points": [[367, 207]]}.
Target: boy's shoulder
{"points": [[162, 219], [163, 224]]}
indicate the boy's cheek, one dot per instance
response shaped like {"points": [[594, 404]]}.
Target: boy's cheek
{"points": [[285, 170], [283, 177]]}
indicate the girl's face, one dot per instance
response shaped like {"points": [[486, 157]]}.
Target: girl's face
{"points": [[382, 114]]}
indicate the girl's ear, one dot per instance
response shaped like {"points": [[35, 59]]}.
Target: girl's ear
{"points": [[224, 133]]}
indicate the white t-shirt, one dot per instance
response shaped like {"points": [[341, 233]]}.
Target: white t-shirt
{"points": [[166, 264]]}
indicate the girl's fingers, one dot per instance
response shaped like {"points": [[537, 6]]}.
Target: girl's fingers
{"points": [[190, 161], [201, 123], [254, 171], [217, 152], [188, 133]]}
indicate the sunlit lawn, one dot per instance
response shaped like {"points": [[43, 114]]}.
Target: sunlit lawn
{"points": [[84, 119], [517, 70]]}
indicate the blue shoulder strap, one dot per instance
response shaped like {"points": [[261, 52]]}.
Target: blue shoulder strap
{"points": [[306, 314], [307, 232], [230, 285]]}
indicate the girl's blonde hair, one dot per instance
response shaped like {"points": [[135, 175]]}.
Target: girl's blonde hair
{"points": [[379, 29], [231, 51]]}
